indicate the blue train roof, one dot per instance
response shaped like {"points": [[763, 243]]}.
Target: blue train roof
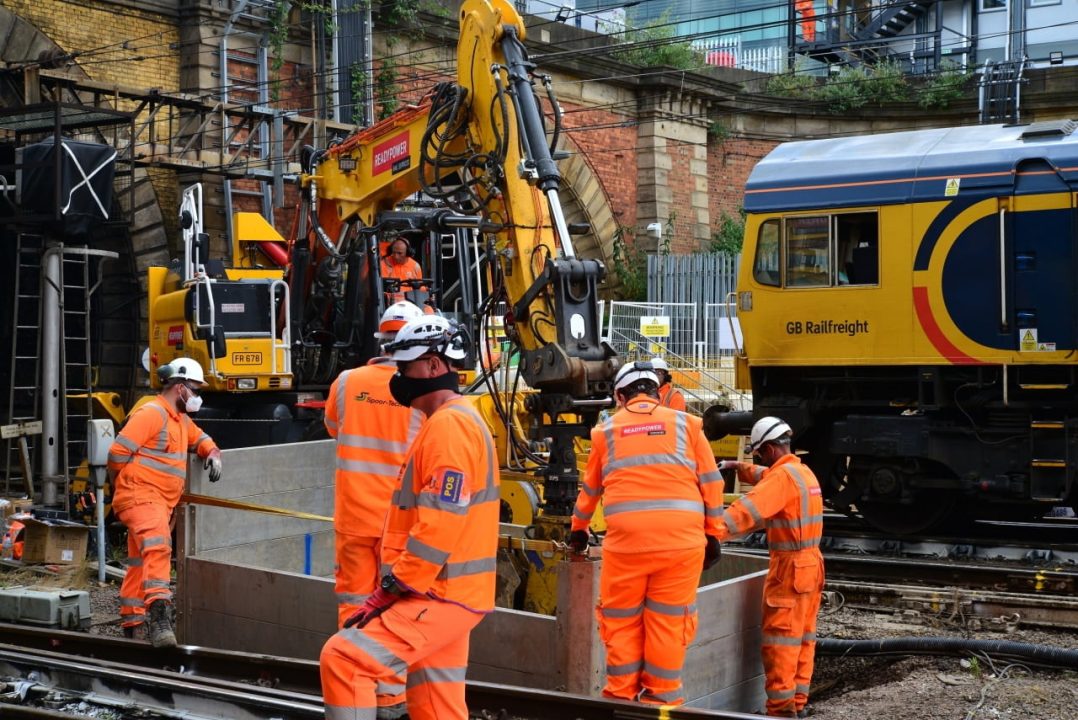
{"points": [[920, 165]]}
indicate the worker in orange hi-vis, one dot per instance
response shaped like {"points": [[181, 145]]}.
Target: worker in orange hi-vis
{"points": [[147, 465], [669, 396], [373, 433], [662, 500], [398, 265], [438, 549], [787, 501], [807, 10]]}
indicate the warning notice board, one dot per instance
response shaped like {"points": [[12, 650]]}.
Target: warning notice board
{"points": [[1027, 340], [655, 326]]}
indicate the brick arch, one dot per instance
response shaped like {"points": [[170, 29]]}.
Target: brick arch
{"points": [[145, 243], [584, 199]]}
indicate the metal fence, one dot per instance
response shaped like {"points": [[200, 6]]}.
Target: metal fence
{"points": [[727, 51]]}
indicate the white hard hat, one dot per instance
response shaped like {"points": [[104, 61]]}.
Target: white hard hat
{"points": [[766, 430], [631, 372], [659, 364], [394, 318], [428, 334], [181, 369]]}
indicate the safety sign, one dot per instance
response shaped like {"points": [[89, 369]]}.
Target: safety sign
{"points": [[655, 326], [1028, 340]]}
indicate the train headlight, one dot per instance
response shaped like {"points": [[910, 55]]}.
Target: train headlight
{"points": [[243, 384]]}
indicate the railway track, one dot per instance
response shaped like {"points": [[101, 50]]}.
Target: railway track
{"points": [[57, 670]]}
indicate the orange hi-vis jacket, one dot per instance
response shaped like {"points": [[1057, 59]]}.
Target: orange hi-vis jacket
{"points": [[441, 534], [373, 433], [671, 398], [408, 270], [148, 460], [654, 470], [786, 500]]}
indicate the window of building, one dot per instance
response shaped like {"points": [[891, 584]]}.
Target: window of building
{"points": [[856, 248], [990, 5], [1039, 3], [808, 251], [766, 268]]}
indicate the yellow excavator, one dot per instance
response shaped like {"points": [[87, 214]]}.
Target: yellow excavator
{"points": [[469, 178]]}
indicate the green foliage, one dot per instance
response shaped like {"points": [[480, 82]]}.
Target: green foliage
{"points": [[730, 235], [652, 45], [358, 79], [851, 88], [944, 87], [386, 90], [795, 83], [278, 34], [718, 132], [630, 265]]}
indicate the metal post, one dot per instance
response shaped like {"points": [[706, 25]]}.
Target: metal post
{"points": [[99, 481], [50, 371]]}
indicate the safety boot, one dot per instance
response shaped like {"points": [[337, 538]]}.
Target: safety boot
{"points": [[161, 634], [135, 632]]}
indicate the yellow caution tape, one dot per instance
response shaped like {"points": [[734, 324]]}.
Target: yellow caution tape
{"points": [[253, 507]]}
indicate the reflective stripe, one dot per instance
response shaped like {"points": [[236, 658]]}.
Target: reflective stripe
{"points": [[414, 425], [808, 637], [127, 443], [375, 649], [468, 567], [149, 462], [667, 697], [384, 570], [470, 411], [344, 598], [117, 459], [710, 477], [155, 541], [655, 459], [367, 467], [681, 437], [487, 494], [331, 424], [731, 524], [366, 442], [148, 584], [162, 434], [132, 602], [801, 689], [713, 511], [388, 688], [608, 435], [758, 472], [626, 669], [342, 382], [590, 491], [645, 505], [780, 640], [405, 497], [750, 506], [200, 440], [664, 673], [436, 675], [586, 517], [794, 546], [795, 523], [162, 455], [426, 552], [434, 502], [665, 609], [134, 562], [339, 712], [621, 612], [780, 694]]}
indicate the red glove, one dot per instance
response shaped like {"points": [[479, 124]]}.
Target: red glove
{"points": [[377, 603]]}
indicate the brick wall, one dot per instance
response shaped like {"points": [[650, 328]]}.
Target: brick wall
{"points": [[610, 152], [729, 163]]}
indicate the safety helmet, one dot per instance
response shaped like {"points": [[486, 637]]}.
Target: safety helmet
{"points": [[659, 364], [428, 334], [179, 370], [631, 372], [767, 429], [394, 318]]}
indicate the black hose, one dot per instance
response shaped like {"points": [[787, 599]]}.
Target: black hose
{"points": [[1044, 655]]}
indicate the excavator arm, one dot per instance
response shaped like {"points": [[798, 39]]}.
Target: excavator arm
{"points": [[478, 151]]}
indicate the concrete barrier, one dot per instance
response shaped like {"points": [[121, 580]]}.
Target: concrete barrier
{"points": [[242, 586]]}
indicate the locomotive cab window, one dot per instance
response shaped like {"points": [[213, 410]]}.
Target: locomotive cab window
{"points": [[856, 249], [766, 268], [808, 251]]}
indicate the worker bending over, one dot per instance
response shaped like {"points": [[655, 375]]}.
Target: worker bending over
{"points": [[669, 396], [662, 500], [787, 502], [373, 433], [438, 549], [147, 465]]}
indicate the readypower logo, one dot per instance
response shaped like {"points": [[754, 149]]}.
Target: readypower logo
{"points": [[393, 153]]}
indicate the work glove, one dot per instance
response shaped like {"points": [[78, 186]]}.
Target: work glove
{"points": [[712, 552], [728, 464], [578, 541], [213, 465], [377, 603]]}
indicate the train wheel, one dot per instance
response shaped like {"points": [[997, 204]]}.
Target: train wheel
{"points": [[928, 509], [890, 499]]}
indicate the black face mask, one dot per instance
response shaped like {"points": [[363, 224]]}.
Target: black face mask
{"points": [[406, 389]]}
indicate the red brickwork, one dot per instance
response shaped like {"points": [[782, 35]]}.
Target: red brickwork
{"points": [[728, 166], [611, 154], [680, 180]]}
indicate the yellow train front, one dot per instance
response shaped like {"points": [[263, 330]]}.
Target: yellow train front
{"points": [[908, 305]]}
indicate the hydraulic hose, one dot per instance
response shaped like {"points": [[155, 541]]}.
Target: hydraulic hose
{"points": [[1044, 655]]}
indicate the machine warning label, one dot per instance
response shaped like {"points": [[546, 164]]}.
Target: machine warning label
{"points": [[393, 154], [951, 188], [175, 335], [849, 328], [1027, 340], [232, 307], [246, 358]]}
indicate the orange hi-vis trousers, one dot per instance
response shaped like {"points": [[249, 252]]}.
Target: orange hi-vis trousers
{"points": [[419, 645], [356, 573], [647, 618], [791, 602], [149, 555]]}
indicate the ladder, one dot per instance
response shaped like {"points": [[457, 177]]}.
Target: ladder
{"points": [[1049, 469], [1000, 96], [25, 382], [75, 379]]}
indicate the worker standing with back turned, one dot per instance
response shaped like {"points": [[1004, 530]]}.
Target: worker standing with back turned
{"points": [[373, 433], [787, 501], [439, 547], [147, 466], [662, 500]]}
